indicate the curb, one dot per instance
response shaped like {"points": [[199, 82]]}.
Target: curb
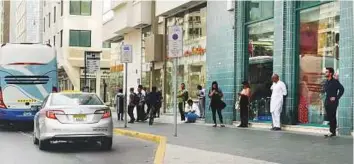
{"points": [[290, 128], [160, 140]]}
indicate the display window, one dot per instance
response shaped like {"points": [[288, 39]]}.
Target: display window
{"points": [[318, 49]]}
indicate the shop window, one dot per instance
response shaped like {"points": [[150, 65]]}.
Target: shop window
{"points": [[191, 69], [80, 38], [259, 10], [259, 45], [318, 49]]}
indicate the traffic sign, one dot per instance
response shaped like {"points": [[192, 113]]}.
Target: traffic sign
{"points": [[92, 61], [126, 54], [175, 42]]}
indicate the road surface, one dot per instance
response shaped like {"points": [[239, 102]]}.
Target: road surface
{"points": [[16, 147]]}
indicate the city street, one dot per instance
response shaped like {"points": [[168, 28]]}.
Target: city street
{"points": [[17, 147], [234, 145]]}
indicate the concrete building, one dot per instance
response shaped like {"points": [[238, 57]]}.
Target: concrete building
{"points": [[5, 21], [25, 21], [147, 33], [127, 22], [74, 27]]}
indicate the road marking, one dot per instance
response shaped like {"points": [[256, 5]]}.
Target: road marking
{"points": [[25, 134], [160, 140]]}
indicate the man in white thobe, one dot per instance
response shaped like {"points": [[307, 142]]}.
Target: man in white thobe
{"points": [[276, 103]]}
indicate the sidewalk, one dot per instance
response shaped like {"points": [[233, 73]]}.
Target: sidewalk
{"points": [[205, 144]]}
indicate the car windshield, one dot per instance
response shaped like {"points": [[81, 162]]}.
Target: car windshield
{"points": [[75, 99]]}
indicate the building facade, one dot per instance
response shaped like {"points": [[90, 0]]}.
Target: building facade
{"points": [[26, 21], [5, 22], [74, 27], [295, 39], [144, 25]]}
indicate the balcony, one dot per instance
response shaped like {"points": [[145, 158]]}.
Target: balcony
{"points": [[75, 56], [127, 17]]}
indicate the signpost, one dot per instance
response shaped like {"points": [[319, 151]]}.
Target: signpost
{"points": [[175, 50], [126, 57], [92, 64]]}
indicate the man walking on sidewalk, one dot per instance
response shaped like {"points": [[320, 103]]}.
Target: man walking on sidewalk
{"points": [[276, 102], [334, 91]]}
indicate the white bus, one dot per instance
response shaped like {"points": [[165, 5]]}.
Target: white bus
{"points": [[28, 73]]}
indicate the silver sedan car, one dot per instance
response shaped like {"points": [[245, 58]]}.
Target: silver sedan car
{"points": [[73, 116]]}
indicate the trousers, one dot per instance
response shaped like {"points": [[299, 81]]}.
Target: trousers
{"points": [[276, 118], [331, 110]]}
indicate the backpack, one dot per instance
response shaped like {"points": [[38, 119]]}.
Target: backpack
{"points": [[136, 99], [185, 96]]}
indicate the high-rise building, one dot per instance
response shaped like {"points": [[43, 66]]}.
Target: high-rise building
{"points": [[25, 21], [5, 21]]}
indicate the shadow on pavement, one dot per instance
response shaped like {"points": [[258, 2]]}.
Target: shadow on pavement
{"points": [[77, 148]]}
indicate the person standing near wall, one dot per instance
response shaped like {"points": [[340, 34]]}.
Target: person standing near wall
{"points": [[334, 91], [140, 108], [120, 104], [216, 103], [276, 102], [182, 97], [201, 97], [245, 95]]}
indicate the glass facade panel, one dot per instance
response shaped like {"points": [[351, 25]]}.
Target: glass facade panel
{"points": [[85, 8], [80, 8], [80, 38], [260, 68], [74, 7], [259, 10], [85, 38], [191, 67], [74, 38], [318, 49]]}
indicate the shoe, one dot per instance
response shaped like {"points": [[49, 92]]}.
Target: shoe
{"points": [[330, 135], [214, 125], [222, 125]]}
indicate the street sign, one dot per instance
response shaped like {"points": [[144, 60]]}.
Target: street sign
{"points": [[92, 61], [175, 42], [126, 54]]}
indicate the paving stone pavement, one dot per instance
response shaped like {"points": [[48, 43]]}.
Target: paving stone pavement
{"points": [[260, 145], [180, 154]]}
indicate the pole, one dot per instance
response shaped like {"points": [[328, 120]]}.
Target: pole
{"points": [[126, 96], [85, 73], [175, 97]]}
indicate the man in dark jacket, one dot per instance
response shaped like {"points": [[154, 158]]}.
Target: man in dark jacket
{"points": [[152, 99], [334, 91]]}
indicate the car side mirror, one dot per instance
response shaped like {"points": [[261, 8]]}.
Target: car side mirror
{"points": [[35, 108]]}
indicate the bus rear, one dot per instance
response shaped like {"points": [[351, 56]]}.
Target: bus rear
{"points": [[28, 73]]}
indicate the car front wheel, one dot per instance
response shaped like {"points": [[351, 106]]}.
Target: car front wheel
{"points": [[106, 143]]}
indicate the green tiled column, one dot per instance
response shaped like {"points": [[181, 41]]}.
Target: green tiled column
{"points": [[346, 65], [284, 60], [241, 59], [220, 60]]}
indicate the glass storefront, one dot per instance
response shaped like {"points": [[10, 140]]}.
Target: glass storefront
{"points": [[260, 39], [191, 67], [318, 49]]}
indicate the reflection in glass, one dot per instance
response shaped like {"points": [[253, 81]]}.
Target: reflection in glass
{"points": [[191, 67], [259, 10], [319, 37], [260, 51]]}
